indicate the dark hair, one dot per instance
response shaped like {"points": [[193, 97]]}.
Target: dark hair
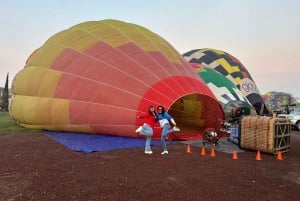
{"points": [[153, 113], [163, 109]]}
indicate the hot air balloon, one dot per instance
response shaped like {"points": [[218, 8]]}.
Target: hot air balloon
{"points": [[279, 101], [230, 98], [232, 69], [97, 76]]}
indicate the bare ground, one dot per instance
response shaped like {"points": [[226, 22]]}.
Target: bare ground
{"points": [[34, 167]]}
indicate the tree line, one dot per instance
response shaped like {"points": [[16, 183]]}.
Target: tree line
{"points": [[5, 96]]}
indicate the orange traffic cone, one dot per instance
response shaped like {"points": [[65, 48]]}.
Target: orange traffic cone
{"points": [[279, 156], [188, 149], [203, 151], [234, 155], [212, 153], [258, 157]]}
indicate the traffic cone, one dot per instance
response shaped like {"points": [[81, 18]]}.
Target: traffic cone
{"points": [[212, 153], [203, 151], [188, 149], [279, 156], [234, 155], [258, 157]]}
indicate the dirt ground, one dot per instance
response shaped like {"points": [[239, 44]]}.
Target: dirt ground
{"points": [[34, 167]]}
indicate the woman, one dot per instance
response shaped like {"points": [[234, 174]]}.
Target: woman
{"points": [[164, 119], [147, 128]]}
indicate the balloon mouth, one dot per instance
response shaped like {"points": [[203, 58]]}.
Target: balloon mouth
{"points": [[194, 113]]}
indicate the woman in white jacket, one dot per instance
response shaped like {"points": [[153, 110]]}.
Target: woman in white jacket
{"points": [[164, 119]]}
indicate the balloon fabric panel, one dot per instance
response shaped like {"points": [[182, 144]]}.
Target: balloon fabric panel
{"points": [[93, 70], [40, 111], [76, 88], [224, 90], [228, 68], [46, 78], [144, 60], [76, 39], [118, 34], [118, 61], [86, 113], [45, 56]]}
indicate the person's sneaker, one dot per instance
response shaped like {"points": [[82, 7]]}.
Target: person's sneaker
{"points": [[148, 152], [138, 129], [164, 152], [176, 129]]}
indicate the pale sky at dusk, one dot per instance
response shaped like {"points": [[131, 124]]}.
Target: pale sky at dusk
{"points": [[263, 34]]}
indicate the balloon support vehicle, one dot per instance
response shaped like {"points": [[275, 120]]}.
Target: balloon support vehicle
{"points": [[294, 117]]}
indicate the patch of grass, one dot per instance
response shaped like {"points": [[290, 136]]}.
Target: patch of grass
{"points": [[7, 125]]}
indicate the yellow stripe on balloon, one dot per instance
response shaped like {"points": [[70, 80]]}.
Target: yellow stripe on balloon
{"points": [[117, 33], [220, 52], [58, 127], [230, 69], [45, 56], [46, 78], [40, 110], [77, 39], [238, 80]]}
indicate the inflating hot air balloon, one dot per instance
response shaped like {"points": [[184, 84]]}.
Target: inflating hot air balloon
{"points": [[232, 69], [224, 90], [97, 76], [278, 101]]}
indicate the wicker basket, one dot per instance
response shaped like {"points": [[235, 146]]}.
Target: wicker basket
{"points": [[266, 134]]}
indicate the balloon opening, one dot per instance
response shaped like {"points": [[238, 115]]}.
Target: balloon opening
{"points": [[193, 114]]}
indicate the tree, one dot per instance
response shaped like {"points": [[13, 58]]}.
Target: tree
{"points": [[5, 95]]}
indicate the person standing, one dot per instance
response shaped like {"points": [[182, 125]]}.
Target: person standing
{"points": [[164, 119], [147, 128]]}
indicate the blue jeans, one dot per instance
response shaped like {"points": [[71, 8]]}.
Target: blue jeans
{"points": [[148, 132], [165, 131]]}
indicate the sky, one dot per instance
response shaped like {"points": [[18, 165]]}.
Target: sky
{"points": [[264, 35]]}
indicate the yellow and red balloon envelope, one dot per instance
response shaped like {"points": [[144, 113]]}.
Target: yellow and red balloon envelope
{"points": [[95, 77]]}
